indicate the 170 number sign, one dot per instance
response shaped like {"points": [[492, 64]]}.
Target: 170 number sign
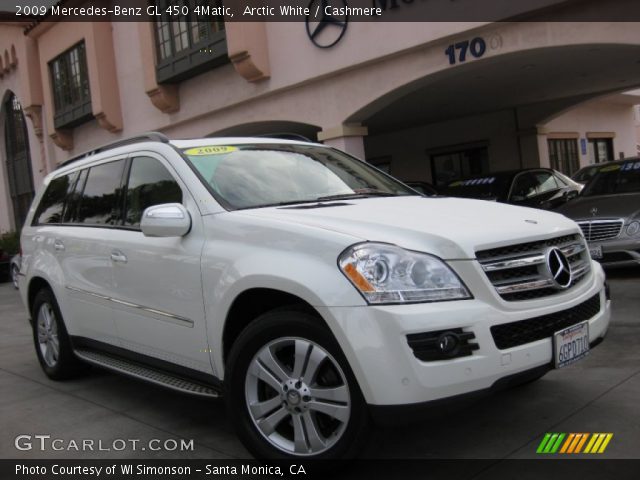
{"points": [[458, 52]]}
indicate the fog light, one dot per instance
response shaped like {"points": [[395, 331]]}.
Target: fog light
{"points": [[448, 343]]}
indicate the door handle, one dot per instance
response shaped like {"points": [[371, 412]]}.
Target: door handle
{"points": [[58, 246], [118, 257]]}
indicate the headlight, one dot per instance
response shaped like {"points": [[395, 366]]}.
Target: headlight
{"points": [[389, 274], [633, 229]]}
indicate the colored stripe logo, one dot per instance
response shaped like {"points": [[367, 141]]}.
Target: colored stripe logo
{"points": [[574, 443]]}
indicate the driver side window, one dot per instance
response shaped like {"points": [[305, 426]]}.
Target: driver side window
{"points": [[150, 183]]}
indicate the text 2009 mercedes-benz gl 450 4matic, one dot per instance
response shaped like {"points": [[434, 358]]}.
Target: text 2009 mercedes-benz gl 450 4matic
{"points": [[310, 289]]}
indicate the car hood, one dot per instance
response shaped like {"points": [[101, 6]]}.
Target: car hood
{"points": [[623, 205], [452, 228]]}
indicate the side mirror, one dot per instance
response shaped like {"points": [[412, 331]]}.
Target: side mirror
{"points": [[166, 220], [571, 194]]}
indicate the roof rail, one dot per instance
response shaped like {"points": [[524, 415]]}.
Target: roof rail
{"points": [[286, 136], [147, 136]]}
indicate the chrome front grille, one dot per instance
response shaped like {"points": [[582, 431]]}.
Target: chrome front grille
{"points": [[520, 272], [597, 230]]}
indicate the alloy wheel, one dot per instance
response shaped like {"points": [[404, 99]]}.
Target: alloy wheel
{"points": [[297, 396], [48, 341]]}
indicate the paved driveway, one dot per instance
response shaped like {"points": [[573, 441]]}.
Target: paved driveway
{"points": [[599, 394]]}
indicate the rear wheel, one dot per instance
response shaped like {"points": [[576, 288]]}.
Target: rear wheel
{"points": [[50, 338], [291, 391]]}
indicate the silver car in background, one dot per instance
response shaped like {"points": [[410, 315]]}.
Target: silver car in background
{"points": [[608, 212]]}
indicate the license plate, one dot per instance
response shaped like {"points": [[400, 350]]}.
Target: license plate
{"points": [[595, 251], [571, 344]]}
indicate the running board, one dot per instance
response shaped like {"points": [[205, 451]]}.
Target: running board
{"points": [[141, 372]]}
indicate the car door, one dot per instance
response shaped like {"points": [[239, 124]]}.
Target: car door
{"points": [[92, 212], [159, 307]]}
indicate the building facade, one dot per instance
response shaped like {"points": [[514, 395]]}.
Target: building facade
{"points": [[398, 94]]}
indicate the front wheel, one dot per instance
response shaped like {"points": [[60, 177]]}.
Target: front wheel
{"points": [[291, 391]]}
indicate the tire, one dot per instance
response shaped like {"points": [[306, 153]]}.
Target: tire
{"points": [[51, 340], [14, 276], [289, 419]]}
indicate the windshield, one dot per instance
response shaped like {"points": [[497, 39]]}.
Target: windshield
{"points": [[492, 186], [617, 178], [585, 174], [262, 175]]}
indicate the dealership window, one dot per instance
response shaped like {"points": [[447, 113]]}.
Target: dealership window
{"points": [[70, 83], [188, 44], [563, 155], [447, 167], [600, 150]]}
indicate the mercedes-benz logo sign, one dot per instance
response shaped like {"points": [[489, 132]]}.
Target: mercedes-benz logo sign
{"points": [[594, 211], [559, 268], [323, 29]]}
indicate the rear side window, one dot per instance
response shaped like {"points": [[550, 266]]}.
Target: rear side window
{"points": [[52, 204], [150, 183], [73, 199], [102, 195]]}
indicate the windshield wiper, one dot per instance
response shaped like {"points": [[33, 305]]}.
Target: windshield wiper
{"points": [[346, 196], [340, 196], [281, 204]]}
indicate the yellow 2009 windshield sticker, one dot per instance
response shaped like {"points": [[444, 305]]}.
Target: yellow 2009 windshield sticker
{"points": [[210, 150]]}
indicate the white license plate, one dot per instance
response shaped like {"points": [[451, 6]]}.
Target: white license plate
{"points": [[571, 344], [595, 251]]}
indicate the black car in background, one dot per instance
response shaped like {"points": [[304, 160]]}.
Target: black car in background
{"points": [[586, 173], [423, 188], [534, 187]]}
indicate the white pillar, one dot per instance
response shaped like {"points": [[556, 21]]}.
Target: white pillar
{"points": [[347, 137]]}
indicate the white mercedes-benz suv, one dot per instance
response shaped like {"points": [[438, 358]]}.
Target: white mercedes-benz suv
{"points": [[310, 289]]}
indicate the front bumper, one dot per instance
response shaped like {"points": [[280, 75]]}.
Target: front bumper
{"points": [[374, 341], [619, 252]]}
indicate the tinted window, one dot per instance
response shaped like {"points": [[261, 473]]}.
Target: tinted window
{"points": [[73, 199], [150, 183], [52, 203], [616, 178], [101, 197], [585, 174], [546, 182], [524, 187]]}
